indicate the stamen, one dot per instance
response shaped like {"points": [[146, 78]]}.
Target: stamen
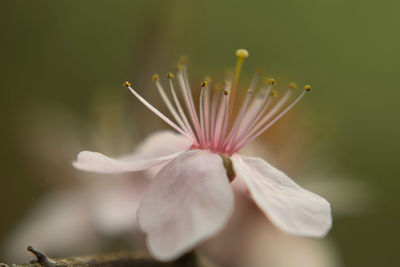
{"points": [[168, 103], [217, 94], [178, 105], [239, 117], [203, 109], [241, 55], [307, 88], [189, 103], [184, 60], [253, 114], [158, 113], [221, 117], [256, 76], [272, 112]]}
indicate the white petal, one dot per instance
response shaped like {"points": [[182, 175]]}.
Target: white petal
{"points": [[157, 149], [190, 200], [97, 162], [160, 144], [290, 207], [115, 203]]}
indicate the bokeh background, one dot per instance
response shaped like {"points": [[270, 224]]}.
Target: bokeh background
{"points": [[63, 63]]}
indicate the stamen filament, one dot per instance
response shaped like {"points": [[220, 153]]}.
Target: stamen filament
{"points": [[240, 116], [215, 100], [270, 114], [181, 112], [169, 105], [158, 113], [223, 106], [272, 122], [190, 104], [241, 55], [248, 120]]}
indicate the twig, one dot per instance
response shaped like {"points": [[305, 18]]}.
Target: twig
{"points": [[121, 259]]}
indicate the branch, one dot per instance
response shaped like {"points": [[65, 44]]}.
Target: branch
{"points": [[121, 259]]}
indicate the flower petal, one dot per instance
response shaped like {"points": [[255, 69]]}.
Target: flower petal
{"points": [[190, 200], [159, 144], [97, 162], [289, 206], [158, 148]]}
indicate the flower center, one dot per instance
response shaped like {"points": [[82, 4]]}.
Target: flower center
{"points": [[213, 124]]}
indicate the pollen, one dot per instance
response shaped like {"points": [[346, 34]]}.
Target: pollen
{"points": [[127, 84], [208, 78], [204, 83], [155, 78], [271, 81], [219, 86], [170, 75], [226, 92], [274, 93], [307, 87], [293, 86], [184, 59], [243, 53]]}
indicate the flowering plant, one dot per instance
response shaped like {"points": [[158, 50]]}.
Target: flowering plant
{"points": [[191, 198]]}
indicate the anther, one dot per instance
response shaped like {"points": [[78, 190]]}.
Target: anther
{"points": [[243, 53], [274, 93], [293, 86], [127, 84], [226, 92], [170, 75], [219, 86], [204, 83], [307, 87], [260, 70], [250, 91], [271, 81], [207, 78], [155, 78], [179, 67], [184, 59]]}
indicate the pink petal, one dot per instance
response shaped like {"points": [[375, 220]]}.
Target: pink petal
{"points": [[189, 201], [114, 203], [97, 162], [290, 207], [158, 148], [158, 144]]}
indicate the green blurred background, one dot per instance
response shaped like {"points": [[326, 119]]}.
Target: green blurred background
{"points": [[65, 54]]}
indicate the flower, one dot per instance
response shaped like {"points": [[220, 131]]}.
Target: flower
{"points": [[191, 198]]}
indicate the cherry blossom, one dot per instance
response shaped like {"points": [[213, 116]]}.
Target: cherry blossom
{"points": [[191, 198]]}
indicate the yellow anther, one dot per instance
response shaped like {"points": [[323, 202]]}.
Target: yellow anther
{"points": [[127, 84], [170, 75], [155, 78], [179, 67], [271, 81], [183, 59], [219, 86], [204, 83], [243, 53], [274, 93], [307, 87], [260, 70], [250, 91], [226, 92], [293, 86]]}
